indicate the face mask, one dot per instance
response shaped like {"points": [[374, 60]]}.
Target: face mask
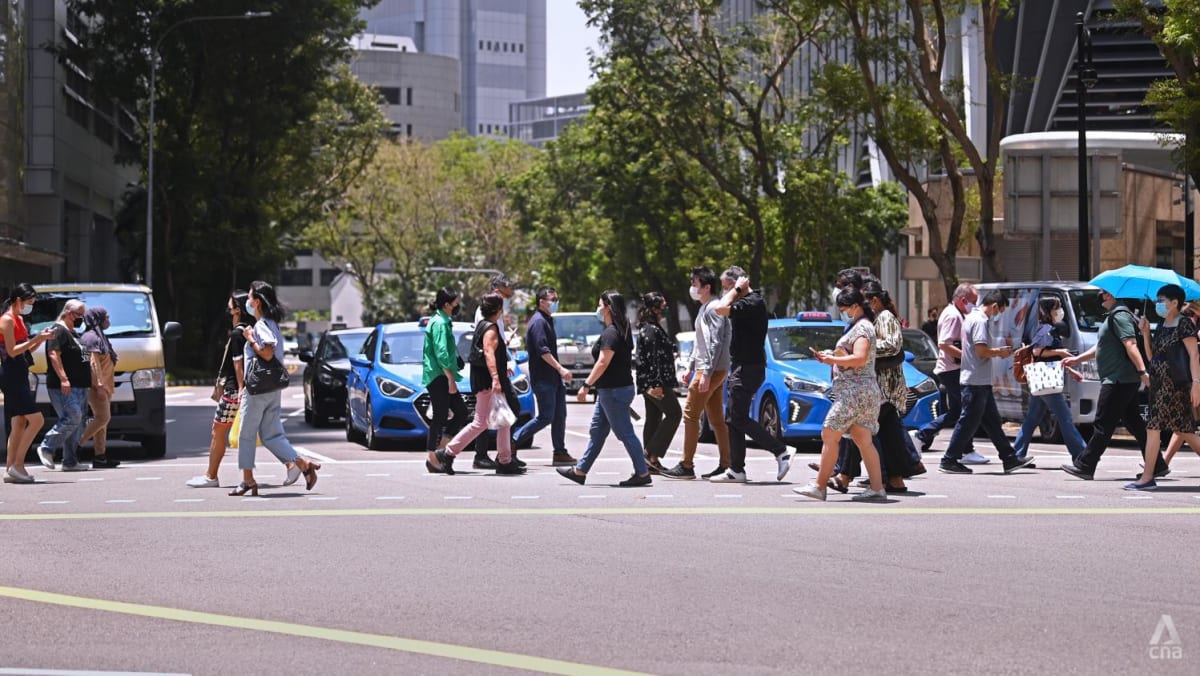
{"points": [[1161, 309], [250, 309], [454, 310], [77, 323], [600, 314], [27, 308], [694, 292], [1058, 315], [846, 317], [553, 306], [970, 307]]}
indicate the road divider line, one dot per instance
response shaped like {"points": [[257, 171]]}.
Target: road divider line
{"points": [[525, 497], [1068, 497], [592, 497], [169, 421], [190, 500], [345, 636], [119, 502], [390, 497], [149, 478], [933, 496], [54, 502], [314, 455], [1002, 497], [91, 478], [323, 498], [659, 496], [456, 497], [384, 474], [1137, 497], [730, 496]]}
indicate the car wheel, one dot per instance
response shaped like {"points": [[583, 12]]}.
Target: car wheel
{"points": [[352, 435], [373, 441], [308, 416], [768, 417], [154, 446]]}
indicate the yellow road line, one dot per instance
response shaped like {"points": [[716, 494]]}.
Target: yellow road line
{"points": [[432, 648], [814, 511]]}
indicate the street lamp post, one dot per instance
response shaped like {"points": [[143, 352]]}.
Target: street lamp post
{"points": [[1085, 79], [150, 130]]}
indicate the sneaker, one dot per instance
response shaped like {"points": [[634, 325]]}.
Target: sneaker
{"points": [[974, 458], [564, 460], [15, 476], [783, 461], [483, 462], [719, 470], [104, 462], [1013, 464], [811, 491], [871, 496], [953, 467], [679, 472], [203, 482], [570, 473], [635, 480], [654, 465], [293, 474], [1135, 486], [509, 468], [46, 456], [446, 461], [77, 467], [729, 477], [518, 462], [1074, 470]]}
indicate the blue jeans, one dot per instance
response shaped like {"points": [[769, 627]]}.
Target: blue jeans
{"points": [[69, 428], [1057, 405], [262, 416], [551, 400], [612, 414], [978, 410]]}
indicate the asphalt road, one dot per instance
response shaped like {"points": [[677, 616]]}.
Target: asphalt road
{"points": [[384, 569]]}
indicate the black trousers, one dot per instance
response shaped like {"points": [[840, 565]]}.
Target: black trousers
{"points": [[662, 421], [443, 403], [741, 385], [1118, 403], [893, 451]]}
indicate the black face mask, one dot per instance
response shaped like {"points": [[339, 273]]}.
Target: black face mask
{"points": [[77, 323], [455, 310]]}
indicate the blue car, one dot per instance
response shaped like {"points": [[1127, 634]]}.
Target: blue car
{"points": [[385, 400], [795, 396]]}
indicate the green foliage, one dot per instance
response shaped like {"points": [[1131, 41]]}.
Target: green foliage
{"points": [[249, 142]]}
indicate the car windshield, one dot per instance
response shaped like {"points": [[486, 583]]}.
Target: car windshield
{"points": [[128, 311], [402, 347], [342, 345], [920, 345], [577, 328], [789, 343], [1089, 313]]}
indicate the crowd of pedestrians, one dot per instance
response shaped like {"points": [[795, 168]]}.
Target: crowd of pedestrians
{"points": [[726, 368]]}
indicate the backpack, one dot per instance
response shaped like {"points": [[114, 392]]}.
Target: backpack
{"points": [[477, 357]]}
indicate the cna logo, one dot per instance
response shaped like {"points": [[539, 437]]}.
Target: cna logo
{"points": [[1165, 643]]}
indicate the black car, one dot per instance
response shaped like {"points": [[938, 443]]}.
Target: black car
{"points": [[325, 376]]}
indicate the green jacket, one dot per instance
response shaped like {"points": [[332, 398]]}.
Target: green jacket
{"points": [[440, 351]]}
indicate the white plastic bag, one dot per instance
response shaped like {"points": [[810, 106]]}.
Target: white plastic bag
{"points": [[1044, 377], [501, 415]]}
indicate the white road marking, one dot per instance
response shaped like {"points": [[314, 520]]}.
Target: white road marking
{"points": [[592, 497], [1002, 497], [119, 502], [315, 456], [323, 497], [170, 420], [579, 434], [660, 496], [297, 412], [1069, 497], [1138, 497], [92, 478], [383, 474], [190, 500], [933, 497], [254, 499], [525, 497], [178, 395], [456, 497], [54, 502], [75, 672], [149, 478], [390, 497], [730, 496]]}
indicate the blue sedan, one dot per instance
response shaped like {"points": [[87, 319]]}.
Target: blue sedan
{"points": [[385, 400], [795, 395]]}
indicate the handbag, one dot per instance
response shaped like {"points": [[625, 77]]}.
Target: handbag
{"points": [[1044, 377], [266, 376], [477, 358], [1179, 366], [1022, 358], [219, 384]]}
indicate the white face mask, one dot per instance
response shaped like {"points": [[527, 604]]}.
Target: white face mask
{"points": [[694, 292], [970, 307], [1058, 315], [27, 308]]}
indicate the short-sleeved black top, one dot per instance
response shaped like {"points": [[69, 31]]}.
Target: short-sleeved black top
{"points": [[748, 316], [75, 362], [620, 370]]}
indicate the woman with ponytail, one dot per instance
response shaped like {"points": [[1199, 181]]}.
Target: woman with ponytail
{"points": [[16, 354], [104, 361]]}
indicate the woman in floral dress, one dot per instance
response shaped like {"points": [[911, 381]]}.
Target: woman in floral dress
{"points": [[1171, 403], [856, 398]]}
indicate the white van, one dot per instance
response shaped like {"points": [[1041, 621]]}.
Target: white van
{"points": [[1084, 315]]}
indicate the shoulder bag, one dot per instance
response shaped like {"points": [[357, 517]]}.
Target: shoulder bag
{"points": [[1179, 367], [219, 384], [266, 376], [477, 358]]}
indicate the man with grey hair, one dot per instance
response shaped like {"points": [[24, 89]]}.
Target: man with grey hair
{"points": [[68, 377], [948, 369]]}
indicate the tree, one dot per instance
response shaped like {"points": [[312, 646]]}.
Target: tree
{"points": [[249, 142]]}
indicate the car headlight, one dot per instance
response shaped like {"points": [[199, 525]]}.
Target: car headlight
{"points": [[800, 385], [1089, 370], [520, 384], [149, 379], [328, 378], [391, 388], [926, 386]]}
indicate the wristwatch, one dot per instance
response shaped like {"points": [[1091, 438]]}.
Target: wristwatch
{"points": [[586, 387], [1143, 373]]}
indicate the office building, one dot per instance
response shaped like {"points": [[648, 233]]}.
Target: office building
{"points": [[540, 121], [422, 96]]}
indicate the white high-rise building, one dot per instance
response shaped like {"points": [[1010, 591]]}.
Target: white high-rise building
{"points": [[500, 45]]}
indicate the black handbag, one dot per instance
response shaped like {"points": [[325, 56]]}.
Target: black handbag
{"points": [[1179, 366], [266, 376]]}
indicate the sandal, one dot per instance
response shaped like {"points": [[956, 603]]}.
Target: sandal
{"points": [[244, 488], [310, 476], [837, 485]]}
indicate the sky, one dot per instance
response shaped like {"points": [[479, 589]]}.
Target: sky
{"points": [[568, 40]]}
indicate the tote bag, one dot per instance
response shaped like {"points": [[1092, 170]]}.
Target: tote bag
{"points": [[1044, 377]]}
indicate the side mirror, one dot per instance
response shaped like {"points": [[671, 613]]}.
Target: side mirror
{"points": [[909, 356], [361, 361], [172, 331], [305, 356], [522, 356]]}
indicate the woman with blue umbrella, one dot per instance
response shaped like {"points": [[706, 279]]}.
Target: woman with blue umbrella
{"points": [[1174, 379]]}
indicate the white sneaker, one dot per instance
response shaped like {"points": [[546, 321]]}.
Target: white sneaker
{"points": [[729, 477], [811, 491], [203, 482], [974, 458], [293, 474], [14, 476], [871, 496], [784, 461], [46, 456]]}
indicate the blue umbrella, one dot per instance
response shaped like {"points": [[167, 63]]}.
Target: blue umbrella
{"points": [[1139, 281]]}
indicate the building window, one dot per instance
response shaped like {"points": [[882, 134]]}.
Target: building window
{"points": [[506, 47], [408, 130], [408, 96], [328, 275], [103, 130], [522, 46], [295, 277], [391, 95], [77, 110], [489, 44], [481, 129], [481, 45], [456, 102]]}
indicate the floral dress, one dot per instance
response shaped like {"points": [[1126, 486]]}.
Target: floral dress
{"points": [[1170, 404], [856, 390], [889, 342]]}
